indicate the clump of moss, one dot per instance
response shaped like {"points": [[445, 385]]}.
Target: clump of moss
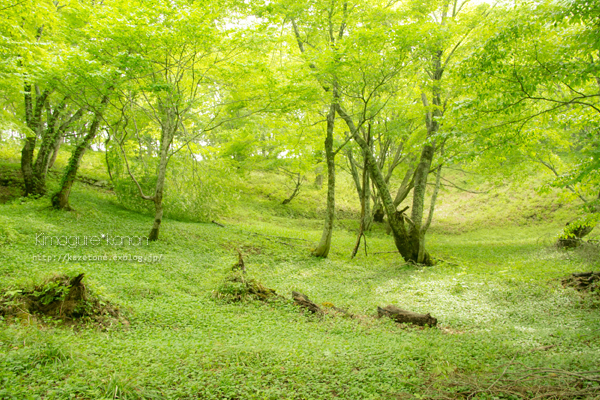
{"points": [[238, 286], [60, 297]]}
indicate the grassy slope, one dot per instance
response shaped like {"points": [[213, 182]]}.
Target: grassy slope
{"points": [[497, 297]]}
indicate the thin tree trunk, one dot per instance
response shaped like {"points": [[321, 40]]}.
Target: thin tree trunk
{"points": [[354, 173], [408, 182], [416, 233], [367, 219], [60, 200], [55, 149], [324, 245], [365, 211], [49, 140], [59, 138], [160, 183], [368, 215], [363, 190], [297, 183]]}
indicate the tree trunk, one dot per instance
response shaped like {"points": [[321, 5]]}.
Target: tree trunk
{"points": [[60, 200], [417, 234], [407, 184], [297, 183], [55, 150], [367, 216], [59, 139], [160, 183], [354, 173], [49, 139], [27, 165], [366, 186], [401, 237], [324, 245], [33, 119], [363, 189]]}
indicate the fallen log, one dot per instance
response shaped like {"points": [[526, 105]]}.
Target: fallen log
{"points": [[583, 281], [403, 316], [304, 302]]}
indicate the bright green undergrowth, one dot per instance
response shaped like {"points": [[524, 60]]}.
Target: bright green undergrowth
{"points": [[495, 292]]}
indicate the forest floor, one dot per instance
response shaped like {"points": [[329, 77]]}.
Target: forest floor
{"points": [[506, 325]]}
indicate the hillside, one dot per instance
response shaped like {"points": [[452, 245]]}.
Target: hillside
{"points": [[495, 291]]}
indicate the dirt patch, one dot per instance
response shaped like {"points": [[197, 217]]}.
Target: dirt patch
{"points": [[60, 298]]}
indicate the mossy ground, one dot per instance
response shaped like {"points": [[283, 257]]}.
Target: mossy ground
{"points": [[496, 294]]}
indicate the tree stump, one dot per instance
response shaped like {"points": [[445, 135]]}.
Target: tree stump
{"points": [[403, 316], [583, 281], [304, 302]]}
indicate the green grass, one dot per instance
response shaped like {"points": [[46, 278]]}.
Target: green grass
{"points": [[496, 295]]}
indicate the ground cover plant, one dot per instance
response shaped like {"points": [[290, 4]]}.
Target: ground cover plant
{"points": [[299, 199], [496, 293]]}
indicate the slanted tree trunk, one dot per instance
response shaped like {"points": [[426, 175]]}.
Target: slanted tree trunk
{"points": [[405, 187], [324, 245], [368, 216], [408, 182], [60, 200], [55, 150], [57, 141], [51, 142], [298, 178], [354, 172], [399, 231]]}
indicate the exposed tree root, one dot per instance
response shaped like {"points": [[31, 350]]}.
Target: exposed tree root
{"points": [[61, 298]]}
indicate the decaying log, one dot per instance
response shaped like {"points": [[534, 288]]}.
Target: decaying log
{"points": [[346, 313], [583, 281], [304, 302], [403, 316]]}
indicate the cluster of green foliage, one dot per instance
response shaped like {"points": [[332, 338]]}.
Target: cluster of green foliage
{"points": [[189, 95]]}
